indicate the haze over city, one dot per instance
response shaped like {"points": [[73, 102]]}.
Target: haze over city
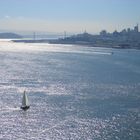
{"points": [[69, 15]]}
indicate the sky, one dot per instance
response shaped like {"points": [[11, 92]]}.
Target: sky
{"points": [[68, 15]]}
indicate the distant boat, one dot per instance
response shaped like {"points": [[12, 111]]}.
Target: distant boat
{"points": [[25, 102]]}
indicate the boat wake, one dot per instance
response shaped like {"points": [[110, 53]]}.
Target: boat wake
{"points": [[9, 109]]}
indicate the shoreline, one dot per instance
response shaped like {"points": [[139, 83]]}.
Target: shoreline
{"points": [[85, 44]]}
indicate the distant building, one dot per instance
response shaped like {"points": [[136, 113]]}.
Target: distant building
{"points": [[116, 33], [124, 32], [136, 29], [128, 30], [103, 33]]}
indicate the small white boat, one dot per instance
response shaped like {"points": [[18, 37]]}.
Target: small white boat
{"points": [[25, 102]]}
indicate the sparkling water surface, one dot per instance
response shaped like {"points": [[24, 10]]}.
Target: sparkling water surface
{"points": [[75, 93]]}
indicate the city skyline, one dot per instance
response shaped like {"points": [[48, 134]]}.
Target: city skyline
{"points": [[68, 15]]}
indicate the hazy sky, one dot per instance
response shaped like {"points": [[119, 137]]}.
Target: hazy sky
{"points": [[68, 15]]}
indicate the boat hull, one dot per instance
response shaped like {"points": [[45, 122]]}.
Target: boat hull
{"points": [[25, 107]]}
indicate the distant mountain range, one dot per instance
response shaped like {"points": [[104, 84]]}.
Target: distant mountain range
{"points": [[9, 35]]}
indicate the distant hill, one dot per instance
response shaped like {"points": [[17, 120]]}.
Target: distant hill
{"points": [[9, 35]]}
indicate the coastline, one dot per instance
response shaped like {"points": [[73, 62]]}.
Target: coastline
{"points": [[81, 43]]}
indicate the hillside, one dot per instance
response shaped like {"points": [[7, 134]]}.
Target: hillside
{"points": [[9, 35]]}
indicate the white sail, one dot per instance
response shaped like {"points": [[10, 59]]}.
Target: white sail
{"points": [[25, 101]]}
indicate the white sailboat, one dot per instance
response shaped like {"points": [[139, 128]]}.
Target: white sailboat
{"points": [[25, 102]]}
